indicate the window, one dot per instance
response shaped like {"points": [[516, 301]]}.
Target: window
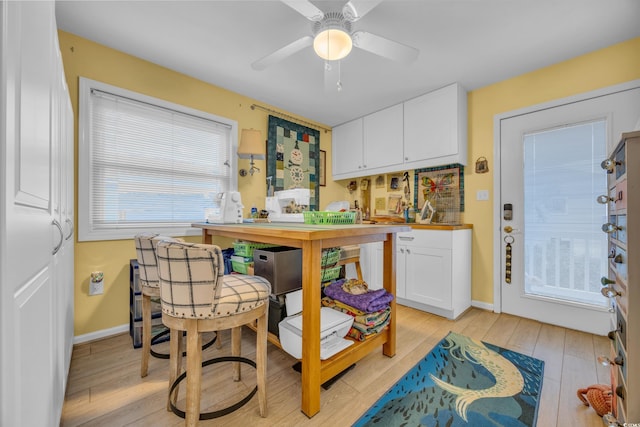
{"points": [[146, 164]]}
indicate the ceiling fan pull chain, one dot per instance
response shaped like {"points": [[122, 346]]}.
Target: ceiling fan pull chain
{"points": [[339, 84]]}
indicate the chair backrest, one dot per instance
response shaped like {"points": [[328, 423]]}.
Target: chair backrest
{"points": [[146, 253], [191, 277]]}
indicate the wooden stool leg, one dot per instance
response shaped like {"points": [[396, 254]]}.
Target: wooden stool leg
{"points": [[146, 334], [218, 340], [175, 363], [194, 372], [358, 270], [261, 363], [236, 338]]}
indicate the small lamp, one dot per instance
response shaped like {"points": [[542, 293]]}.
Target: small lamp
{"points": [[251, 147]]}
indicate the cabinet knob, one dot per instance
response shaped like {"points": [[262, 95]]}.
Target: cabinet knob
{"points": [[609, 165], [406, 159], [609, 227], [605, 281], [609, 292], [604, 199], [605, 361]]}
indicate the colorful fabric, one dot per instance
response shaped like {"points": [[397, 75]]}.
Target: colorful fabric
{"points": [[370, 302], [367, 319]]}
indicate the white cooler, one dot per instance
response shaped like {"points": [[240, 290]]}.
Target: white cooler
{"points": [[334, 325]]}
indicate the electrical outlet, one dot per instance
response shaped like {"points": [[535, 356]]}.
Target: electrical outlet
{"points": [[96, 288]]}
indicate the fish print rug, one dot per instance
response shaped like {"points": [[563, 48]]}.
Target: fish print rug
{"points": [[463, 382]]}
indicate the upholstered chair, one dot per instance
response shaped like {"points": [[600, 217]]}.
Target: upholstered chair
{"points": [[148, 275], [197, 297]]}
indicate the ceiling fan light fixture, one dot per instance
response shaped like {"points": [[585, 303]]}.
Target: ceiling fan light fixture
{"points": [[332, 37], [332, 44]]}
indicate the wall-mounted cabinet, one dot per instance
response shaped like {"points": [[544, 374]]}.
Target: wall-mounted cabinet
{"points": [[435, 128], [429, 130], [368, 143]]}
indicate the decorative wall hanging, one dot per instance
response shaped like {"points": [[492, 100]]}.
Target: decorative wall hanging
{"points": [[395, 182], [443, 186], [293, 157], [482, 165]]}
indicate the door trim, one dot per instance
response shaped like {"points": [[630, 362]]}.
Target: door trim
{"points": [[497, 195]]}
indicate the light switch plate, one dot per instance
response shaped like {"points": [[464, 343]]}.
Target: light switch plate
{"points": [[482, 195]]}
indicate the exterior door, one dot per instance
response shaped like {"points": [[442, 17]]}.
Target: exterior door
{"points": [[552, 250], [28, 235]]}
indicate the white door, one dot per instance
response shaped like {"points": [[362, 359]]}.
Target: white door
{"points": [[27, 235], [552, 250]]}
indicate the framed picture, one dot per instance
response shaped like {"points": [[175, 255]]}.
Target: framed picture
{"points": [[322, 173], [395, 182], [293, 158], [443, 188]]}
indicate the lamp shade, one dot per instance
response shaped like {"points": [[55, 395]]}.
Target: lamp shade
{"points": [[332, 44], [251, 144]]}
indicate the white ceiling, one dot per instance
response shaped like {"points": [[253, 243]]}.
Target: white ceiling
{"points": [[473, 42]]}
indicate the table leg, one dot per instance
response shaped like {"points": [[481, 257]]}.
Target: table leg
{"points": [[311, 260], [389, 280]]}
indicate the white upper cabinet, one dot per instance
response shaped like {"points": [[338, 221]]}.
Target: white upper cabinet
{"points": [[347, 149], [435, 128], [383, 138], [430, 130]]}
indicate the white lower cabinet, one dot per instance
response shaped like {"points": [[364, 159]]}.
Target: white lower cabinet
{"points": [[433, 270]]}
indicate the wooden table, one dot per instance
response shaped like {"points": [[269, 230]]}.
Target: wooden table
{"points": [[312, 239]]}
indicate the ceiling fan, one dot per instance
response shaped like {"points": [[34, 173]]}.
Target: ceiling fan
{"points": [[332, 37]]}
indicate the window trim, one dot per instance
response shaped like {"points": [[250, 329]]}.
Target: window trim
{"points": [[85, 232]]}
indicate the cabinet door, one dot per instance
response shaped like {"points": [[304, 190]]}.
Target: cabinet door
{"points": [[435, 127], [383, 138], [428, 276], [347, 148]]}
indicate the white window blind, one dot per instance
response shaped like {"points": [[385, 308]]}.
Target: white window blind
{"points": [[150, 167]]}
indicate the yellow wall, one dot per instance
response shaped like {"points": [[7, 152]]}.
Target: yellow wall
{"points": [[613, 65], [97, 62]]}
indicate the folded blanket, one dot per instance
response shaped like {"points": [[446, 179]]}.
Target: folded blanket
{"points": [[368, 302], [360, 333], [367, 319]]}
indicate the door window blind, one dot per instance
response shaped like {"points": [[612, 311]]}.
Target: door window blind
{"points": [[151, 167]]}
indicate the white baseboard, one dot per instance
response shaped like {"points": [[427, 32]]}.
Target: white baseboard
{"points": [[482, 305], [79, 339]]}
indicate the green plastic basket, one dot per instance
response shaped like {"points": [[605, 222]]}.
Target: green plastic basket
{"points": [[330, 257], [246, 249], [330, 273], [327, 217], [241, 264]]}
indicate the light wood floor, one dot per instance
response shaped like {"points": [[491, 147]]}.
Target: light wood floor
{"points": [[105, 388]]}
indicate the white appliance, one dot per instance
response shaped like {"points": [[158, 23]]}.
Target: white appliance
{"points": [[287, 205], [230, 209], [334, 325]]}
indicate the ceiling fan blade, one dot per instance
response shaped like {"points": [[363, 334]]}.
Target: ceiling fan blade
{"points": [[384, 47], [356, 9], [305, 8], [282, 53]]}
